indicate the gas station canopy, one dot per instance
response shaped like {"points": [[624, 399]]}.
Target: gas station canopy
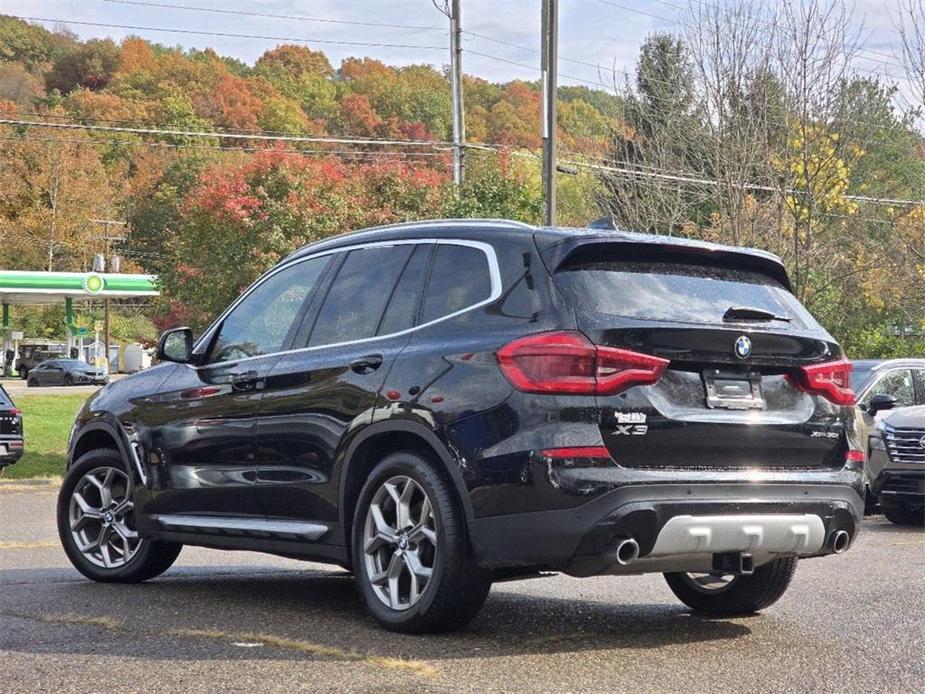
{"points": [[21, 288], [37, 288]]}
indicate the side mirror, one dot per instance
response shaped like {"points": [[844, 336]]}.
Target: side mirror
{"points": [[879, 402], [176, 345]]}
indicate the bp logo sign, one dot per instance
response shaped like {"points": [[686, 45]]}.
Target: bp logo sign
{"points": [[93, 284]]}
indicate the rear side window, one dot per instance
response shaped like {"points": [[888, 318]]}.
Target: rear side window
{"points": [[459, 278], [403, 304], [671, 291], [358, 296], [4, 398]]}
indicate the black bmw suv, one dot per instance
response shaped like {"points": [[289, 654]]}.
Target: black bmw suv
{"points": [[443, 404]]}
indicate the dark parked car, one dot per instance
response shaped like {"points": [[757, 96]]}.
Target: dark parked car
{"points": [[31, 356], [882, 385], [444, 404], [66, 372], [11, 435], [897, 465]]}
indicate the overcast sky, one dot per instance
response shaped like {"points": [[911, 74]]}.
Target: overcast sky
{"points": [[600, 32]]}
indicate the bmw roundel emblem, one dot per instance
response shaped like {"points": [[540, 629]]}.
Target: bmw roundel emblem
{"points": [[743, 347]]}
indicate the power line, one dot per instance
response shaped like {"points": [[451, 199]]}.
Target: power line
{"points": [[712, 182], [702, 3], [775, 25], [230, 136], [534, 68], [198, 32], [227, 148], [301, 18]]}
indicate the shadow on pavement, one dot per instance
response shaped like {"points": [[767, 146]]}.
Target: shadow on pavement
{"points": [[234, 603]]}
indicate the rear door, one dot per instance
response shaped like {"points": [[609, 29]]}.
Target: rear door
{"points": [[729, 397], [317, 395]]}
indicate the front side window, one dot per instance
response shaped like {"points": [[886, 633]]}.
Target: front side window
{"points": [[897, 383], [358, 295], [460, 278], [260, 324]]}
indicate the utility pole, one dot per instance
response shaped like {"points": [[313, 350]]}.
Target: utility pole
{"points": [[550, 53], [456, 85], [107, 259]]}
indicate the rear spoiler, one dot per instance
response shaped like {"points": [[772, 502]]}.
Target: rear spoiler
{"points": [[662, 248]]}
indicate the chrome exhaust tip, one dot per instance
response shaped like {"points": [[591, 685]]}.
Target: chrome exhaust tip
{"points": [[627, 552], [840, 540]]}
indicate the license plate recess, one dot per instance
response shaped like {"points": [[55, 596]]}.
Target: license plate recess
{"points": [[733, 390]]}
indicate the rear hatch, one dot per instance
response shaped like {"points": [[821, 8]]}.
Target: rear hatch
{"points": [[751, 380]]}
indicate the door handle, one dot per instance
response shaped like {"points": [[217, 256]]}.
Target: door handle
{"points": [[246, 380], [365, 365]]}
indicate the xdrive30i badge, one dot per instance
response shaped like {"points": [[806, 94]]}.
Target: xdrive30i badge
{"points": [[743, 347]]}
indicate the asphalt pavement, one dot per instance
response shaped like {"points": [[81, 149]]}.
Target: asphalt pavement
{"points": [[239, 621]]}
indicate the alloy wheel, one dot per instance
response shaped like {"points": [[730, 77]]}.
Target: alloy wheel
{"points": [[400, 542], [709, 583], [101, 516]]}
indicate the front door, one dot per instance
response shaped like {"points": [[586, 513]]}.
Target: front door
{"points": [[204, 434], [316, 396]]}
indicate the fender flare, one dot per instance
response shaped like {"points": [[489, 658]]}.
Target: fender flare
{"points": [[404, 426], [102, 424]]}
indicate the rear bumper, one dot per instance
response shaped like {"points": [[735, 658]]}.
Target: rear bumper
{"points": [[11, 450], [581, 541]]}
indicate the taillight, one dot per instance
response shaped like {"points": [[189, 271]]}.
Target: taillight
{"points": [[568, 362], [15, 412], [831, 380], [853, 456], [572, 452]]}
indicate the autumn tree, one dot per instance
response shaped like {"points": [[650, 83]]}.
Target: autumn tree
{"points": [[49, 194], [90, 65]]}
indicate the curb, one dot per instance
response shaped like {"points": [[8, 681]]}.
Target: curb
{"points": [[31, 482]]}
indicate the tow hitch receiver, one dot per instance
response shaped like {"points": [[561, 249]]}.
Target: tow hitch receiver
{"points": [[738, 563]]}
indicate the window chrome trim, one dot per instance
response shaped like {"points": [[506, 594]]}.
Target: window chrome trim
{"points": [[494, 271]]}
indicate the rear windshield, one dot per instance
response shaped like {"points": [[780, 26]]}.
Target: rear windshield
{"points": [[671, 291]]}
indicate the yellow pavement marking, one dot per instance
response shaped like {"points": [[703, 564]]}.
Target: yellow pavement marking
{"points": [[416, 667], [74, 618], [70, 618], [34, 544]]}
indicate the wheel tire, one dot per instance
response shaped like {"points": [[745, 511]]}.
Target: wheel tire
{"points": [[457, 587], [744, 595], [151, 558], [68, 380], [905, 515], [32, 383], [23, 374]]}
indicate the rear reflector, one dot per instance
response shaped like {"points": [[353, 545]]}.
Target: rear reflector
{"points": [[577, 452], [568, 362], [831, 380], [854, 457]]}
